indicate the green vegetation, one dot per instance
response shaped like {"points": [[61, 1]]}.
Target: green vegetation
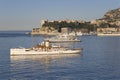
{"points": [[105, 25], [72, 25]]}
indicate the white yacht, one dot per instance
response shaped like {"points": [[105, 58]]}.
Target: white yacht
{"points": [[44, 49], [76, 33], [64, 38]]}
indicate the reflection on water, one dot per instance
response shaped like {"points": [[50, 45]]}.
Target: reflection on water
{"points": [[40, 57], [100, 60], [42, 64]]}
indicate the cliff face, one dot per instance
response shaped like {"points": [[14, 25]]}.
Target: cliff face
{"points": [[111, 18], [48, 30], [112, 15]]}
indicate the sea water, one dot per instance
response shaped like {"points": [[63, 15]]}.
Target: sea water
{"points": [[99, 60]]}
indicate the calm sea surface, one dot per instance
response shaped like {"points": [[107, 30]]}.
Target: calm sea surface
{"points": [[100, 60]]}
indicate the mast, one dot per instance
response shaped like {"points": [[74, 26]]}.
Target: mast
{"points": [[32, 40]]}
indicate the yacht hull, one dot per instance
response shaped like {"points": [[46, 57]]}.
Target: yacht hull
{"points": [[24, 51]]}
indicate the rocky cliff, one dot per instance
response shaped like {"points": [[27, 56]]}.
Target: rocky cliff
{"points": [[112, 16]]}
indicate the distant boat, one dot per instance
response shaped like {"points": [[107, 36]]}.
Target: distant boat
{"points": [[27, 32], [76, 33], [63, 38]]}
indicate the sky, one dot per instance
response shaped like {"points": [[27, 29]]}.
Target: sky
{"points": [[27, 14]]}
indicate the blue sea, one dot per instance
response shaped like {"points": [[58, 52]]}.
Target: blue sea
{"points": [[99, 60]]}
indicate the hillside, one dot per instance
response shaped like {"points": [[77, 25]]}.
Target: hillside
{"points": [[112, 15], [111, 19]]}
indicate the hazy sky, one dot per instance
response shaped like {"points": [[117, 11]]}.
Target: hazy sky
{"points": [[26, 14]]}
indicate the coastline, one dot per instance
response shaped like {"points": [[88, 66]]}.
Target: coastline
{"points": [[38, 33], [112, 34]]}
